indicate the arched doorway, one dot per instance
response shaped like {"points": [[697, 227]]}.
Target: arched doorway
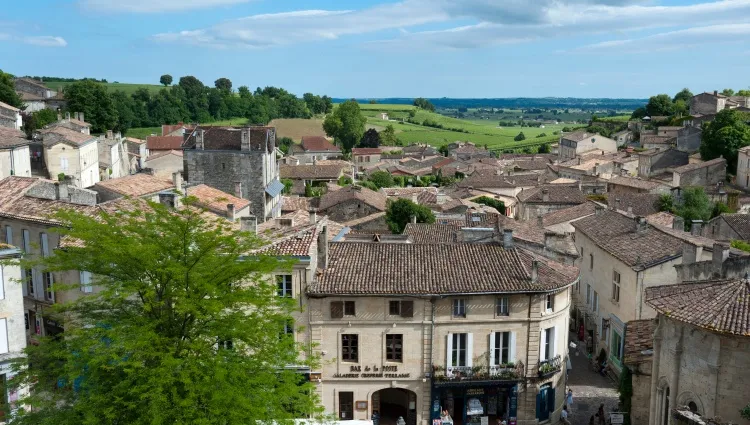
{"points": [[392, 403]]}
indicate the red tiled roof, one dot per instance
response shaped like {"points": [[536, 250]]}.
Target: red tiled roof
{"points": [[310, 172], [294, 203], [372, 198], [366, 151], [569, 214], [136, 185], [160, 154], [58, 134], [318, 143], [162, 143], [216, 200], [639, 341], [168, 128]]}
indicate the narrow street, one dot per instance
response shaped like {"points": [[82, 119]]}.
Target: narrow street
{"points": [[589, 388]]}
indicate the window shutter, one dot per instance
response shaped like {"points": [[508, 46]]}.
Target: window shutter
{"points": [[469, 350], [2, 284], [337, 309], [512, 354], [554, 341], [9, 235], [407, 308], [449, 352], [26, 243], [542, 344], [86, 282], [3, 336], [492, 348], [539, 405], [45, 245], [551, 400]]}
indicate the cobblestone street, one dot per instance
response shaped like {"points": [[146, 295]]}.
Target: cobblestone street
{"points": [[589, 388]]}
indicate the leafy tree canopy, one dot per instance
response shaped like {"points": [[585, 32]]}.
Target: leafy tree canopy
{"points": [[543, 148], [144, 349], [371, 139], [727, 92], [399, 212], [660, 105], [696, 205], [388, 136], [382, 179], [639, 113], [685, 95], [8, 92], [165, 80], [346, 125], [223, 84], [425, 104], [520, 137], [95, 102], [725, 136]]}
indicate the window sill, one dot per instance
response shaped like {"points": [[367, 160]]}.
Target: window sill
{"points": [[615, 302]]}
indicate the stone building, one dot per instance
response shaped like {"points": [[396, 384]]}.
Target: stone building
{"points": [[12, 327], [71, 153], [409, 329], [165, 163], [350, 203], [311, 174], [366, 157], [141, 185], [15, 158], [728, 227], [136, 154], [701, 349], [657, 161], [743, 167], [638, 357], [237, 160], [707, 103], [158, 144], [315, 148], [76, 123], [578, 142], [113, 157], [700, 174], [36, 96], [10, 117], [541, 200]]}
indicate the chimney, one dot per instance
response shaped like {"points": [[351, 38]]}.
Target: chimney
{"points": [[598, 209], [413, 219], [441, 198], [716, 92], [640, 224], [695, 227], [61, 191], [249, 224], [720, 254], [415, 198], [534, 271], [110, 134], [539, 221], [617, 204], [80, 116], [690, 254], [245, 143], [199, 139], [545, 195], [231, 213], [507, 238], [75, 115], [678, 223], [315, 160], [323, 248], [313, 217], [238, 189], [177, 180], [67, 116]]}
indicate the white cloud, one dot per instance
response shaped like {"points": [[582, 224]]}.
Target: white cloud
{"points": [[45, 41], [153, 6]]}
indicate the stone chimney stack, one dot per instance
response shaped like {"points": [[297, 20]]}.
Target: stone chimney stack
{"points": [[245, 142], [231, 215], [598, 209], [441, 198], [630, 210], [678, 223], [313, 217], [238, 189], [716, 92], [413, 219], [545, 195], [719, 255], [75, 115], [695, 227], [507, 238], [249, 224], [641, 224], [61, 191], [323, 248], [67, 116], [534, 271], [80, 116], [110, 134], [59, 116], [199, 139], [617, 204], [177, 180]]}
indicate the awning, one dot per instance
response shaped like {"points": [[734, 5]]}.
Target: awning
{"points": [[274, 188]]}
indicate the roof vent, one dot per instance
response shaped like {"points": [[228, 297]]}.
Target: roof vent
{"points": [[376, 237]]}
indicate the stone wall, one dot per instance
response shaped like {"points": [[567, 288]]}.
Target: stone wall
{"points": [[351, 209], [703, 176], [641, 393], [689, 139], [25, 86]]}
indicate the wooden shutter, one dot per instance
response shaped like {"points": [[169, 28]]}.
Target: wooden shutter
{"points": [[45, 246], [542, 354], [492, 348], [449, 352], [9, 235], [512, 353], [2, 284], [551, 400], [26, 241], [337, 309], [469, 350], [407, 308]]}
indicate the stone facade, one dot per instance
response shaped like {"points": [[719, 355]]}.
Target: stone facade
{"points": [[576, 143], [743, 168], [241, 161], [80, 162], [349, 210], [707, 103], [701, 174], [15, 161], [12, 327], [689, 139]]}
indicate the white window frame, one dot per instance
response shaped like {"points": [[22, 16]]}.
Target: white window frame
{"points": [[467, 350], [549, 303], [2, 282], [64, 163], [548, 349], [49, 294], [26, 241], [502, 306], [458, 306], [496, 352], [287, 286], [86, 286], [616, 279], [4, 348]]}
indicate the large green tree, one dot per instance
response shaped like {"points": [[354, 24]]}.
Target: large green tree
{"points": [[399, 212], [165, 80], [95, 102], [724, 136], [223, 84], [8, 92], [382, 179], [187, 328], [371, 139], [346, 125], [423, 103], [685, 95], [695, 205], [388, 136], [660, 105]]}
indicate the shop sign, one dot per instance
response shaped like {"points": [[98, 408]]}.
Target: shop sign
{"points": [[372, 372], [360, 405], [475, 391]]}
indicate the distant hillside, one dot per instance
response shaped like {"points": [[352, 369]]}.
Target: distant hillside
{"points": [[125, 87], [519, 102]]}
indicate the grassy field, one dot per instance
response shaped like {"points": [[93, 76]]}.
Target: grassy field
{"points": [[143, 132], [295, 128], [127, 88]]}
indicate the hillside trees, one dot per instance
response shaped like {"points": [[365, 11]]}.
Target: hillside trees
{"points": [[224, 84], [425, 104], [388, 136], [8, 92], [371, 139], [95, 102], [346, 125], [725, 136], [660, 105], [165, 80], [520, 137], [399, 212], [186, 328], [685, 95], [382, 179]]}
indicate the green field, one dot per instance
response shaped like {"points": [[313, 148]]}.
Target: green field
{"points": [[127, 88]]}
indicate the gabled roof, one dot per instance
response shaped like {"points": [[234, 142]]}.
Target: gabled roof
{"points": [[641, 203], [59, 134], [160, 154], [136, 185], [10, 138], [216, 200], [374, 199], [639, 341], [579, 135], [294, 203], [569, 214], [634, 182], [424, 269], [557, 194], [699, 165], [162, 143], [495, 181], [6, 106], [310, 172], [318, 144], [721, 306], [740, 223], [657, 140], [366, 151]]}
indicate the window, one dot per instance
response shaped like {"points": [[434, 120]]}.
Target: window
{"points": [[44, 243], [2, 284], [502, 306], [458, 345], [26, 241], [346, 405], [591, 261], [47, 285], [350, 347], [401, 308], [616, 347], [693, 407], [604, 333], [9, 235], [588, 294], [341, 308], [596, 302], [459, 307], [394, 347], [29, 274], [284, 285], [394, 308], [64, 164], [548, 344], [550, 302], [86, 283], [288, 328], [501, 348], [349, 309], [225, 344], [616, 286], [3, 336]]}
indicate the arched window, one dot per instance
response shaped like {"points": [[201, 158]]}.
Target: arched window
{"points": [[665, 403], [693, 407]]}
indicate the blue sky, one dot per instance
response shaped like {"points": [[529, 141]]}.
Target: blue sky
{"points": [[391, 48]]}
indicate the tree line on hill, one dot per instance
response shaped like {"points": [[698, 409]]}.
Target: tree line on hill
{"points": [[664, 105], [188, 101]]}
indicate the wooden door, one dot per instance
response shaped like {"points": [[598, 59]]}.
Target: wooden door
{"points": [[346, 406]]}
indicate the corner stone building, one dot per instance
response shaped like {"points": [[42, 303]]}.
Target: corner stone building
{"points": [[409, 329], [701, 346], [239, 161]]}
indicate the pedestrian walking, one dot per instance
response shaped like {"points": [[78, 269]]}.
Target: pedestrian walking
{"points": [[564, 416], [600, 414], [569, 400]]}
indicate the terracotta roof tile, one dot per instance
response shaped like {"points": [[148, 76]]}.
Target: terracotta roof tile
{"points": [[216, 200], [372, 198], [294, 203], [421, 269], [740, 223], [58, 134], [160, 154], [639, 341], [633, 182], [136, 185], [717, 305], [366, 151], [318, 143], [10, 137], [310, 172], [568, 214], [641, 203], [699, 165], [558, 194], [161, 143]]}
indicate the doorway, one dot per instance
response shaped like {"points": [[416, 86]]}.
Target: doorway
{"points": [[346, 406], [393, 403]]}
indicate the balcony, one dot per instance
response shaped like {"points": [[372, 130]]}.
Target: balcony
{"points": [[472, 374], [550, 367]]}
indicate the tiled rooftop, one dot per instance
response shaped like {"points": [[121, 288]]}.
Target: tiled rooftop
{"points": [[318, 143], [634, 182], [162, 143], [698, 165], [558, 194], [363, 194], [740, 223], [716, 305], [160, 154], [215, 200], [423, 269], [136, 185], [569, 214], [294, 203], [57, 134], [310, 172], [639, 341], [10, 137], [641, 203]]}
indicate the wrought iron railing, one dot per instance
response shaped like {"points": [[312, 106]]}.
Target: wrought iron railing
{"points": [[551, 366], [506, 372]]}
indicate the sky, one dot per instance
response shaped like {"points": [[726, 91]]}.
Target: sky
{"points": [[391, 48]]}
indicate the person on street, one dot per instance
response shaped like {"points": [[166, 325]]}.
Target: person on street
{"points": [[569, 400], [592, 420], [564, 416], [600, 414]]}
